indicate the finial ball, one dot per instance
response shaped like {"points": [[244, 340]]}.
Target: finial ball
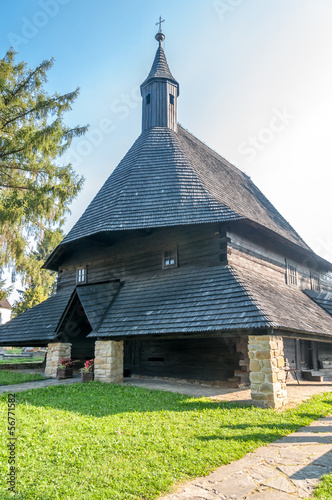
{"points": [[160, 37]]}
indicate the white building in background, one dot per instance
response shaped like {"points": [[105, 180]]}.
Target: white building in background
{"points": [[5, 311]]}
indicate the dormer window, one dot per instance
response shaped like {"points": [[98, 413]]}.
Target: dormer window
{"points": [[81, 275], [148, 99], [171, 99], [291, 275], [170, 259]]}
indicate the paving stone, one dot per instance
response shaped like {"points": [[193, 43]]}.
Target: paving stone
{"points": [[38, 384], [236, 487], [294, 456], [289, 470], [233, 468], [321, 428], [325, 460], [305, 488], [303, 438], [281, 484], [192, 492], [266, 452], [308, 472], [316, 450], [270, 495], [262, 472]]}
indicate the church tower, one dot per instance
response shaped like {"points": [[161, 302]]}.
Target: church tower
{"points": [[159, 93]]}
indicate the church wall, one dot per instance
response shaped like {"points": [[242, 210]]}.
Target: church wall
{"points": [[257, 253], [197, 245]]}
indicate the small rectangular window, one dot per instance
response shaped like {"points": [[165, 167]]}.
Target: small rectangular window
{"points": [[170, 258], [148, 99], [171, 98], [291, 275], [315, 283], [81, 275]]}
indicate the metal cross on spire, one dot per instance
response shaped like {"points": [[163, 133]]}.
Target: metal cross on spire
{"points": [[159, 22]]}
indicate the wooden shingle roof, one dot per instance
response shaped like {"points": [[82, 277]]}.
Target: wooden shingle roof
{"points": [[96, 299], [221, 298], [171, 178], [160, 68], [37, 324], [181, 301], [323, 299]]}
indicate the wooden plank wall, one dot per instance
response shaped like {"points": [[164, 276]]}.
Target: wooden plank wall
{"points": [[198, 245], [194, 359]]}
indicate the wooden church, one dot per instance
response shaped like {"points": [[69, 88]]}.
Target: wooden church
{"points": [[180, 267]]}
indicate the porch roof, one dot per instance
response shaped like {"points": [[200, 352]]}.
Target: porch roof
{"points": [[38, 324], [178, 301], [186, 300]]}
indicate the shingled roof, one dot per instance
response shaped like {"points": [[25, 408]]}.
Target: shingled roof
{"points": [[160, 68], [221, 298], [36, 325], [184, 301], [171, 178], [323, 299], [95, 300]]}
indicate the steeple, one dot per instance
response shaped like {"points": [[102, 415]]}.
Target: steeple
{"points": [[159, 92]]}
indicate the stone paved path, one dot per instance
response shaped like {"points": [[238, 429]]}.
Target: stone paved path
{"points": [[296, 392], [37, 384], [284, 470]]}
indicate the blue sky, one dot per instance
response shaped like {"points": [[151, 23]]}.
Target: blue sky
{"points": [[255, 84]]}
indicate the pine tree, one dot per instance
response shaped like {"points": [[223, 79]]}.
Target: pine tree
{"points": [[41, 283], [35, 188]]}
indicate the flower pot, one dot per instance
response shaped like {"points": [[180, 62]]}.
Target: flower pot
{"points": [[64, 373], [87, 376]]}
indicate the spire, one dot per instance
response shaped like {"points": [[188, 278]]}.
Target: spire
{"points": [[159, 91]]}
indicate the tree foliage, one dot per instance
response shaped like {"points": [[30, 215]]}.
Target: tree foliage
{"points": [[35, 188], [40, 282]]}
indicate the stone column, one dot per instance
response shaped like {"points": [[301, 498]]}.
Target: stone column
{"points": [[55, 353], [267, 373], [244, 361], [109, 361]]}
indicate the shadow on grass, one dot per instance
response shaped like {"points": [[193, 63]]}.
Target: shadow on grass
{"points": [[268, 432], [99, 400]]}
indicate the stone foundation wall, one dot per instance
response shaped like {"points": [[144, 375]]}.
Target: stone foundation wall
{"points": [[55, 353], [109, 361], [267, 373]]}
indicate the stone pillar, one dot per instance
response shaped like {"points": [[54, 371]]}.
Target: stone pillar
{"points": [[55, 353], [267, 373], [109, 361], [244, 361]]}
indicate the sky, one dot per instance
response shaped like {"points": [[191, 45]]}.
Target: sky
{"points": [[255, 85]]}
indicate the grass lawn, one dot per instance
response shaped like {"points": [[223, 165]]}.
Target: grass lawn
{"points": [[15, 361], [14, 350], [96, 441], [8, 377], [324, 490]]}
